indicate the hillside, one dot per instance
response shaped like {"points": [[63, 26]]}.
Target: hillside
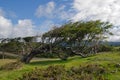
{"points": [[110, 61], [114, 43]]}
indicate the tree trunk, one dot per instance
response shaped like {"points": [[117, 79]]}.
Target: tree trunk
{"points": [[26, 59]]}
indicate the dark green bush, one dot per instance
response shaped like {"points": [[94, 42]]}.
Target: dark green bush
{"points": [[58, 72], [104, 48]]}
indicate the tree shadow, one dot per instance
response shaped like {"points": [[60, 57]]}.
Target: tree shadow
{"points": [[50, 62]]}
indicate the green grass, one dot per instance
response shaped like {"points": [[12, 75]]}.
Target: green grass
{"points": [[105, 59]]}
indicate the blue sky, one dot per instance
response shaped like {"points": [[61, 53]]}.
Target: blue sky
{"points": [[25, 9], [20, 18], [40, 14]]}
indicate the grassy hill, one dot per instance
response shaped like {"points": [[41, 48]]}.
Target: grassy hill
{"points": [[108, 60]]}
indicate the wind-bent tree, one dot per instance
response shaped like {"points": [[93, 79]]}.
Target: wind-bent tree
{"points": [[79, 35], [77, 38], [19, 46]]}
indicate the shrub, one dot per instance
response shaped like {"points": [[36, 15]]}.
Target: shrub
{"points": [[12, 66], [59, 72], [103, 48]]}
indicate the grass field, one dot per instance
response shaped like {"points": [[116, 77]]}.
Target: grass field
{"points": [[107, 60]]}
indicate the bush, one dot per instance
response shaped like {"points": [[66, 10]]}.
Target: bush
{"points": [[58, 72], [104, 48], [12, 66]]}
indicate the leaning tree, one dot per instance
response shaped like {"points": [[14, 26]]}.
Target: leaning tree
{"points": [[74, 38]]}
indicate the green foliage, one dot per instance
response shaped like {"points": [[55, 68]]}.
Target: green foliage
{"points": [[12, 46], [19, 46], [28, 39], [104, 48], [58, 72], [80, 29], [80, 35]]}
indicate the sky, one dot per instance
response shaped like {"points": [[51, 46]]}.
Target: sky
{"points": [[21, 18]]}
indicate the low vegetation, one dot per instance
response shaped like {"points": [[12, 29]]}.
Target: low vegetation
{"points": [[12, 66], [88, 72], [102, 66]]}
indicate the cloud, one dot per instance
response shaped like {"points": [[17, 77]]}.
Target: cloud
{"points": [[5, 27], [51, 10], [23, 28], [116, 36], [105, 10], [46, 26], [45, 10]]}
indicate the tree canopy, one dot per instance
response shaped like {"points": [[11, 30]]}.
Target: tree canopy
{"points": [[80, 33]]}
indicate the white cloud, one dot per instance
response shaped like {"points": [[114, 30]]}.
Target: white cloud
{"points": [[5, 27], [105, 10], [62, 13], [116, 36], [46, 26], [21, 29], [54, 11], [45, 10], [24, 28]]}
